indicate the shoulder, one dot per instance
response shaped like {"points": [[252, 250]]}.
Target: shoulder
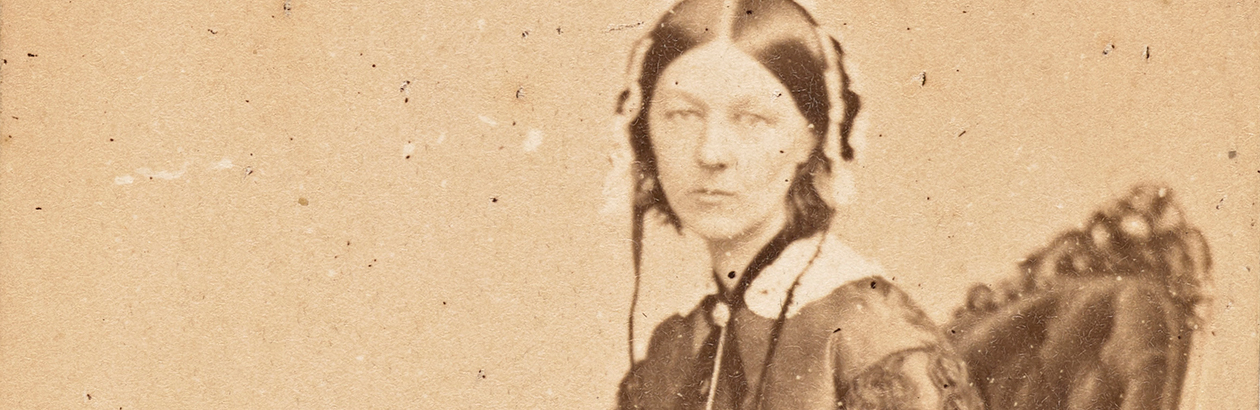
{"points": [[826, 276], [682, 335], [811, 269], [871, 319], [835, 289]]}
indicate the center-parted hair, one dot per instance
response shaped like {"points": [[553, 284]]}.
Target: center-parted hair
{"points": [[782, 37], [785, 39]]}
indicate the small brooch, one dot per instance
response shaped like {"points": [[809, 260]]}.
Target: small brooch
{"points": [[721, 314]]}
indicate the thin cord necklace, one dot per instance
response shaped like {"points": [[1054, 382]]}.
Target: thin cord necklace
{"points": [[721, 313]]}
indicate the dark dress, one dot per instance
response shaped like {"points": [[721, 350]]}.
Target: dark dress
{"points": [[816, 329]]}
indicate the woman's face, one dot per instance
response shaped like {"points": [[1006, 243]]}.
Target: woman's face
{"points": [[728, 139]]}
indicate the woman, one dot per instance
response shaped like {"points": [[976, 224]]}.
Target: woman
{"points": [[739, 117]]}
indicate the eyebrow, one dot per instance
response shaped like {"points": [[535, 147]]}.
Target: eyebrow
{"points": [[674, 92], [752, 103]]}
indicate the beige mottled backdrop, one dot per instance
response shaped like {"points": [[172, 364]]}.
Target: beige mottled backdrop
{"points": [[397, 204]]}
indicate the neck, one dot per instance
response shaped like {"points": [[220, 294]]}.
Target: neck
{"points": [[734, 255]]}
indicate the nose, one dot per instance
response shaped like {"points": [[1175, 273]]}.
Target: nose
{"points": [[716, 147]]}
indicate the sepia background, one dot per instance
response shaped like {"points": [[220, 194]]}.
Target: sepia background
{"points": [[396, 204]]}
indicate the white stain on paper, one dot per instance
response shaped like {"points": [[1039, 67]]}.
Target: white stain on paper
{"points": [[408, 149], [225, 163], [149, 173], [533, 139], [489, 121]]}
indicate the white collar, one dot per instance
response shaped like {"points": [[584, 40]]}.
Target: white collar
{"points": [[674, 281], [836, 264]]}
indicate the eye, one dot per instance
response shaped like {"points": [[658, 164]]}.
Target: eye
{"points": [[749, 119], [683, 114]]}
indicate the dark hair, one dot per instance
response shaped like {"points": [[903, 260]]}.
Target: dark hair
{"points": [[783, 38]]}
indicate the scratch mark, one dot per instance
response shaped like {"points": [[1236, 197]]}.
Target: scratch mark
{"points": [[619, 27]]}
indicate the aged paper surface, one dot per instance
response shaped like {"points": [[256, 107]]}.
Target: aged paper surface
{"points": [[317, 204]]}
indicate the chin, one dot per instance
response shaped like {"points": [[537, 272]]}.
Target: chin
{"points": [[714, 228]]}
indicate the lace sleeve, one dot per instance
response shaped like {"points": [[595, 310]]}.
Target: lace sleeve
{"points": [[926, 378]]}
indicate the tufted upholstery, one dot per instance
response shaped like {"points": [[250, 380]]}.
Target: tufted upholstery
{"points": [[1101, 318]]}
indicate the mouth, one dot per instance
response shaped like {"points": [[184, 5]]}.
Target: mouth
{"points": [[711, 196]]}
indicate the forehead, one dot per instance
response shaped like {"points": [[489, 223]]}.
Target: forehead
{"points": [[718, 71]]}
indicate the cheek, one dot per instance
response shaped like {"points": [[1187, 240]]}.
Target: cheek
{"points": [[672, 154], [779, 157]]}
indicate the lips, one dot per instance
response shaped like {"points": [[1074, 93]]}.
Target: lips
{"points": [[711, 196]]}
